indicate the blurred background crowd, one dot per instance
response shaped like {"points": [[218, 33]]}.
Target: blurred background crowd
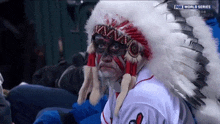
{"points": [[30, 31]]}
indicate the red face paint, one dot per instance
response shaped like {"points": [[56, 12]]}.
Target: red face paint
{"points": [[98, 58], [119, 63]]}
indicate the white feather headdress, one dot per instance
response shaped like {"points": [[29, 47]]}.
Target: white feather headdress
{"points": [[184, 54]]}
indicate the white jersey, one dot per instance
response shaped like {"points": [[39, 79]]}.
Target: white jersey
{"points": [[149, 102]]}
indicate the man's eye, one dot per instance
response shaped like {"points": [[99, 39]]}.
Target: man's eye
{"points": [[101, 46], [115, 47]]}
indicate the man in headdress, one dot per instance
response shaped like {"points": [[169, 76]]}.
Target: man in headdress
{"points": [[119, 54], [153, 60]]}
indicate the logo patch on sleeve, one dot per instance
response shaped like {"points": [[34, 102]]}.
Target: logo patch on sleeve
{"points": [[138, 120]]}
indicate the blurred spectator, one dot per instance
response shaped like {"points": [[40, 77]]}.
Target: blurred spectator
{"points": [[27, 100], [18, 59], [63, 75], [48, 75], [74, 73], [1, 82], [5, 112]]}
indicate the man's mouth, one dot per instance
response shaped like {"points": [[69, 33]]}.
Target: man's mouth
{"points": [[106, 67]]}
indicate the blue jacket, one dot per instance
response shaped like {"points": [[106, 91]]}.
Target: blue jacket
{"points": [[213, 23], [83, 114], [87, 113]]}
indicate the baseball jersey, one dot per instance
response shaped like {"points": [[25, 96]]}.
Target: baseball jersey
{"points": [[149, 102]]}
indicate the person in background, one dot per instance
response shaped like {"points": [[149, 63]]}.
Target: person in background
{"points": [[60, 90], [5, 111]]}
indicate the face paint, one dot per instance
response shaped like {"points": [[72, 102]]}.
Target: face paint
{"points": [[110, 56], [119, 63], [106, 46], [98, 58]]}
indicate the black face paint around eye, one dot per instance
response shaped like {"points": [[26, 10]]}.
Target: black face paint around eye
{"points": [[117, 49], [108, 46]]}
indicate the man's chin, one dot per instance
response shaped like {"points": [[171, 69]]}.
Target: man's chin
{"points": [[107, 74], [110, 73]]}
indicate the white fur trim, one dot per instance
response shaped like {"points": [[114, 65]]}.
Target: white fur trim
{"points": [[124, 90], [95, 94], [85, 89], [91, 48], [133, 81]]}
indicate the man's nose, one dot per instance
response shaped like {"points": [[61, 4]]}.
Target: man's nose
{"points": [[106, 57]]}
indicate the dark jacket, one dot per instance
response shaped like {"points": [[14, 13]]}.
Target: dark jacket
{"points": [[5, 111], [64, 75]]}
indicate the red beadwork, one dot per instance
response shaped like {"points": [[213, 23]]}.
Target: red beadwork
{"points": [[91, 59], [134, 69], [128, 67], [131, 68]]}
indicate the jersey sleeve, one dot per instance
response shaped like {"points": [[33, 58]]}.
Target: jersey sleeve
{"points": [[106, 114], [141, 114]]}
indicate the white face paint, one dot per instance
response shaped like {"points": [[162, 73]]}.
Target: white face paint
{"points": [[110, 73], [109, 70], [111, 78]]}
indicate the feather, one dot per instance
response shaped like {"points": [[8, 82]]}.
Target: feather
{"points": [[195, 55], [208, 114]]}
